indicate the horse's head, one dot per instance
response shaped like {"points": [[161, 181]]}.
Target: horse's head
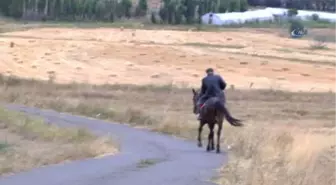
{"points": [[195, 99]]}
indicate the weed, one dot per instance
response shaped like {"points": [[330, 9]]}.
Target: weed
{"points": [[145, 163]]}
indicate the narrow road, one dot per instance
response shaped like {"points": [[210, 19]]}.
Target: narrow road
{"points": [[177, 162]]}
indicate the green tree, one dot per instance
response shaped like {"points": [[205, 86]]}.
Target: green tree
{"points": [[178, 13], [126, 6], [243, 6], [188, 8], [141, 8], [223, 6], [234, 6], [163, 14], [153, 18]]}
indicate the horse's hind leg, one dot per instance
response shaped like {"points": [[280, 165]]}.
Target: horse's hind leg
{"points": [[212, 147], [199, 138], [219, 131], [210, 137]]}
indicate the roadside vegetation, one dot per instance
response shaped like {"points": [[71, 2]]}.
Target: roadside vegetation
{"points": [[27, 142]]}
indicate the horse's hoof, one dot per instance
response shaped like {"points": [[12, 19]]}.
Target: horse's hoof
{"points": [[208, 149], [199, 145], [218, 151]]}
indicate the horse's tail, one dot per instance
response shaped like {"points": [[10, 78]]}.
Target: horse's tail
{"points": [[233, 121]]}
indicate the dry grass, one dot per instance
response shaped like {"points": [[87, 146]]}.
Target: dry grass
{"points": [[69, 54], [285, 156], [29, 142], [289, 138]]}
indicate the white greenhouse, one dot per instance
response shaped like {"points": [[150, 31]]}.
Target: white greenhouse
{"points": [[261, 15], [237, 17], [305, 14]]}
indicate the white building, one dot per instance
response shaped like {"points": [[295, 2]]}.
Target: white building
{"points": [[262, 15], [237, 17]]}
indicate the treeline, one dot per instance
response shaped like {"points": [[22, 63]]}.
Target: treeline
{"points": [[314, 5], [190, 11], [103, 10], [171, 11]]}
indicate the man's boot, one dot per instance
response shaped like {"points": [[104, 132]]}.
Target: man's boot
{"points": [[199, 112], [199, 117]]}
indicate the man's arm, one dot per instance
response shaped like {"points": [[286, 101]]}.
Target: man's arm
{"points": [[222, 83]]}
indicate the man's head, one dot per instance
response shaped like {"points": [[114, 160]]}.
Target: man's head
{"points": [[209, 71]]}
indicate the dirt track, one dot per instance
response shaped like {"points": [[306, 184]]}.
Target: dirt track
{"points": [[243, 57]]}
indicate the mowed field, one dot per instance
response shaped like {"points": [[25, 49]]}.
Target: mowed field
{"points": [[245, 57], [289, 137]]}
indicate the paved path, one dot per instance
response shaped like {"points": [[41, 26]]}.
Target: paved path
{"points": [[179, 162]]}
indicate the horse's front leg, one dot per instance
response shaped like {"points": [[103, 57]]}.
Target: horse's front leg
{"points": [[199, 138], [210, 137]]}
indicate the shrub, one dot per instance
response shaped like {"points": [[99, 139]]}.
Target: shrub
{"points": [[292, 12], [296, 25], [319, 43], [315, 17]]}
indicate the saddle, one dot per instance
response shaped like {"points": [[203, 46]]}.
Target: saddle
{"points": [[203, 104]]}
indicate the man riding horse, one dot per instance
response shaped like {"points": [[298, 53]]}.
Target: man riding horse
{"points": [[212, 86], [210, 105]]}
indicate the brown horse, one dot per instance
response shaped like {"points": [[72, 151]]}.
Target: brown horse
{"points": [[212, 113]]}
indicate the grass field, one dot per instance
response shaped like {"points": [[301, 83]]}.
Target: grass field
{"points": [[26, 143], [164, 56], [283, 88]]}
